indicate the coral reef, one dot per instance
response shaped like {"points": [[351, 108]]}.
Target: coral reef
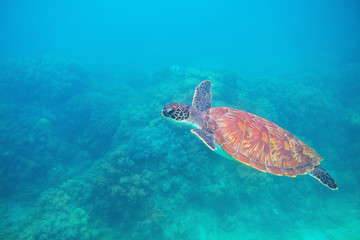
{"points": [[89, 157], [48, 80], [122, 190]]}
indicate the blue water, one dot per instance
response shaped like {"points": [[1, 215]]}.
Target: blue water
{"points": [[85, 153]]}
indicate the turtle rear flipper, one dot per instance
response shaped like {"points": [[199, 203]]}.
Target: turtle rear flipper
{"points": [[322, 176]]}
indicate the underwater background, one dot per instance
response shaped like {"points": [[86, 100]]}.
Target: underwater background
{"points": [[86, 155]]}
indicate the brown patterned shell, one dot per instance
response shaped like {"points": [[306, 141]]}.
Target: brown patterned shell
{"points": [[260, 143]]}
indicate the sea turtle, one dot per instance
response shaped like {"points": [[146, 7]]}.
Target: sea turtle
{"points": [[247, 138]]}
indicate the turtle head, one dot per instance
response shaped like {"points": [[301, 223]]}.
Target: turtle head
{"points": [[176, 111]]}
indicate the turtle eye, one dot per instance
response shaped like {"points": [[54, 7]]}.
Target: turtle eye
{"points": [[168, 111]]}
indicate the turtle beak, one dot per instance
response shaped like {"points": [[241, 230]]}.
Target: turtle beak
{"points": [[167, 111], [164, 113]]}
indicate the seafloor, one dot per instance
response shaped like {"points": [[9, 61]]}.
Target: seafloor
{"points": [[86, 155]]}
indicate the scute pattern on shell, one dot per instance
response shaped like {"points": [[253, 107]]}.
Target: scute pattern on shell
{"points": [[260, 143]]}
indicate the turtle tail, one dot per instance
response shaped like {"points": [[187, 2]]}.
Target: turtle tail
{"points": [[322, 176]]}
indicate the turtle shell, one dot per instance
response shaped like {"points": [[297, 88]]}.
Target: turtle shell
{"points": [[260, 143]]}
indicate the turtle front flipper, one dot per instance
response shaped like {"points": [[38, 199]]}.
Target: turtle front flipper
{"points": [[202, 96], [206, 137], [322, 176]]}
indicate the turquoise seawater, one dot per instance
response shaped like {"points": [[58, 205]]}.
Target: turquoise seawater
{"points": [[86, 155]]}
